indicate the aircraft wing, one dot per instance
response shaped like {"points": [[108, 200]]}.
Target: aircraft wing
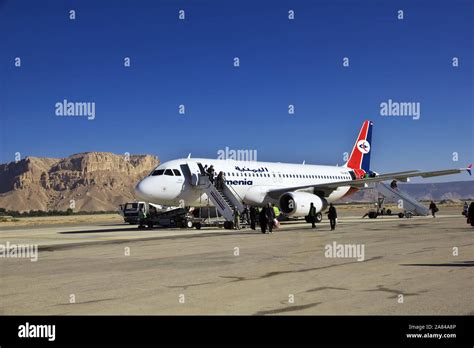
{"points": [[363, 182]]}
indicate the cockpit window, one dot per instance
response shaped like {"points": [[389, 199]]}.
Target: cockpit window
{"points": [[158, 172], [169, 172], [176, 172]]}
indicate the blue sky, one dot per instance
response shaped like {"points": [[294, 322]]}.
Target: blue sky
{"points": [[282, 62]]}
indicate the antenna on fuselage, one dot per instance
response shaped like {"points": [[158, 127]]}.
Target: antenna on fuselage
{"points": [[189, 156], [304, 162]]}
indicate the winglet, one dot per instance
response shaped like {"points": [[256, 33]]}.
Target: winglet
{"points": [[469, 169]]}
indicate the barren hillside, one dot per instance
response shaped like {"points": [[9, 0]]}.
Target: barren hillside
{"points": [[92, 181]]}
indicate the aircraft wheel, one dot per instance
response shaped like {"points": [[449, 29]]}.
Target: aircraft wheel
{"points": [[319, 217], [372, 215]]}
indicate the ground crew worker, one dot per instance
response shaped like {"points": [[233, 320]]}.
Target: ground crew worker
{"points": [[465, 209], [332, 216], [433, 208], [270, 214], [312, 215], [276, 210], [263, 220], [253, 217], [236, 219], [141, 216]]}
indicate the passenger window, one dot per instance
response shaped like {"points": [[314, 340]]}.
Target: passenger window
{"points": [[168, 172], [176, 172]]}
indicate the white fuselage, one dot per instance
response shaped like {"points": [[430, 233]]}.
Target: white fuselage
{"points": [[249, 180]]}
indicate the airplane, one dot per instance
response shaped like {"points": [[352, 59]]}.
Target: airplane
{"points": [[292, 187]]}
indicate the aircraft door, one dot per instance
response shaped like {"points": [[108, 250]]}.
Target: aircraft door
{"points": [[195, 170]]}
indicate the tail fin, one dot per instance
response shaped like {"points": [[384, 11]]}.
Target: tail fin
{"points": [[360, 155]]}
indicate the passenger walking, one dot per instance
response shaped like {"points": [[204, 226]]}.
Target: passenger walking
{"points": [[210, 173], [332, 216], [220, 181], [263, 220], [253, 217], [270, 214], [470, 214], [236, 219], [434, 209], [245, 215], [312, 215]]}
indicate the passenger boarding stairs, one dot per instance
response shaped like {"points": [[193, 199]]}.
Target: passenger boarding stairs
{"points": [[225, 200], [408, 203]]}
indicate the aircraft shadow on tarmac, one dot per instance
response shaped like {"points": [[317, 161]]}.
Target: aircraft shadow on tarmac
{"points": [[135, 229], [452, 264], [105, 230]]}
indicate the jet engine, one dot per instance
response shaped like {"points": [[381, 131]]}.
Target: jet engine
{"points": [[298, 203]]}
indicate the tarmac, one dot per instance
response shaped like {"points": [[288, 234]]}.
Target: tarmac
{"points": [[388, 266]]}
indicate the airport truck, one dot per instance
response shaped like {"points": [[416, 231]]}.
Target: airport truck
{"points": [[158, 215], [130, 210]]}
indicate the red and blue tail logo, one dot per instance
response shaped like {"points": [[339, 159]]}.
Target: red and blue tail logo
{"points": [[360, 155]]}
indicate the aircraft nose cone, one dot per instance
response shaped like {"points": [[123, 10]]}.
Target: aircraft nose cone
{"points": [[143, 190]]}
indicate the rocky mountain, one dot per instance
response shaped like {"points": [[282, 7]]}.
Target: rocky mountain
{"points": [[90, 181]]}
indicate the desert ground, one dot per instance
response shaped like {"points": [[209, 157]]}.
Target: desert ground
{"points": [[106, 267]]}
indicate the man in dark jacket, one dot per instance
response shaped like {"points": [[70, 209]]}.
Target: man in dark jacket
{"points": [[210, 173], [270, 214], [263, 220], [470, 214], [332, 216], [433, 208], [312, 215], [253, 217]]}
